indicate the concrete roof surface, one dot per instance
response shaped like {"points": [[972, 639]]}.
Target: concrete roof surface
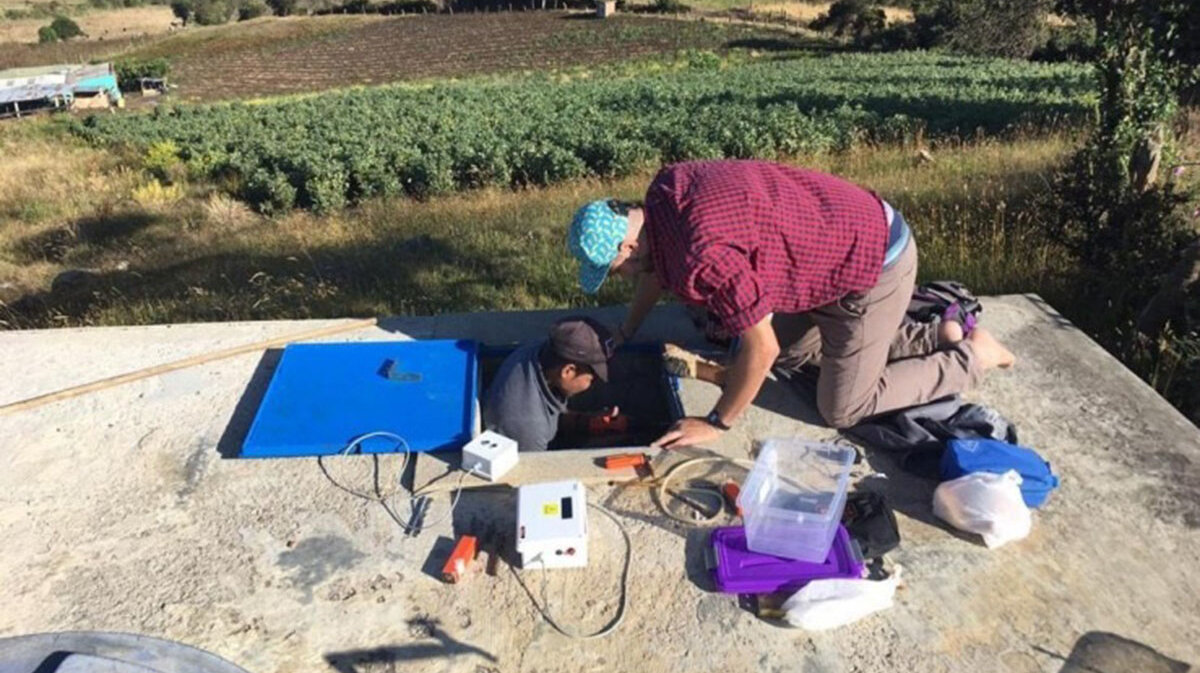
{"points": [[119, 513]]}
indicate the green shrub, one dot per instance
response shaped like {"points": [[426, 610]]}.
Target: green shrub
{"points": [[671, 7], [252, 9], [130, 70], [1005, 28], [182, 9], [854, 18], [407, 7], [212, 12], [64, 28], [1076, 42], [535, 131], [163, 162], [60, 29], [269, 192], [282, 7]]}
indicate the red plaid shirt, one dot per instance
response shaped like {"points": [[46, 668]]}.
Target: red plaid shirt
{"points": [[750, 238]]}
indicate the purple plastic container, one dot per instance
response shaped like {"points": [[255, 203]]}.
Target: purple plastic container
{"points": [[737, 570]]}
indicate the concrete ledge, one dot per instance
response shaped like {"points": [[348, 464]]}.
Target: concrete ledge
{"points": [[119, 513]]}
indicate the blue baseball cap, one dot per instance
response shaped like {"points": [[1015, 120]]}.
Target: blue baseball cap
{"points": [[594, 239]]}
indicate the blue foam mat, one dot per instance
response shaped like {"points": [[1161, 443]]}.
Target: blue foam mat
{"points": [[322, 396]]}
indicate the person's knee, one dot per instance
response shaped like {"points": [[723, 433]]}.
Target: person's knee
{"points": [[841, 414]]}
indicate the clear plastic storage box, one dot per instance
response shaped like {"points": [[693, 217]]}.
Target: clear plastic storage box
{"points": [[793, 498]]}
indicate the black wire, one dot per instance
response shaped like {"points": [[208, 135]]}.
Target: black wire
{"points": [[617, 619]]}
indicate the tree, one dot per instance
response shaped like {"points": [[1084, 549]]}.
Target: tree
{"points": [[283, 7], [252, 9], [1127, 223], [213, 12], [856, 18], [1008, 28], [182, 9], [1146, 58], [61, 28]]}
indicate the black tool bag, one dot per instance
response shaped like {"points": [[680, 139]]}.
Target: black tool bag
{"points": [[930, 301], [871, 523]]}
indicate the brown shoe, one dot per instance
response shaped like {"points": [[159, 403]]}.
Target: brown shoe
{"points": [[686, 364]]}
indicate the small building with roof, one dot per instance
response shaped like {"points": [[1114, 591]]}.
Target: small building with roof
{"points": [[58, 87]]}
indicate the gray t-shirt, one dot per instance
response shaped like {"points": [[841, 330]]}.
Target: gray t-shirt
{"points": [[519, 404]]}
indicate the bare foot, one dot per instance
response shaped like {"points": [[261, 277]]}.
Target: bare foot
{"points": [[950, 332], [991, 353]]}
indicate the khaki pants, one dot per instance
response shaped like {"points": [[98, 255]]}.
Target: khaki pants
{"points": [[872, 360]]}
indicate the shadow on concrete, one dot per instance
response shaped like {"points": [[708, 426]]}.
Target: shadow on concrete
{"points": [[794, 396], [1100, 652], [907, 493], [489, 514], [439, 645], [437, 557], [694, 546], [230, 444]]}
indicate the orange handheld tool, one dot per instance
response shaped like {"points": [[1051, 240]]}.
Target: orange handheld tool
{"points": [[731, 491], [623, 460], [460, 559]]}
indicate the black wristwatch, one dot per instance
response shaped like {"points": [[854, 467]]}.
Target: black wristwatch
{"points": [[714, 419]]}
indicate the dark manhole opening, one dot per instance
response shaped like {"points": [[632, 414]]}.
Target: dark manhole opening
{"points": [[638, 384]]}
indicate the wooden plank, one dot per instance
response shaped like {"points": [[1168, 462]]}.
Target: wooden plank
{"points": [[192, 361]]}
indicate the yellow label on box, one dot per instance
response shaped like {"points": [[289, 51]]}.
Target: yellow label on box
{"points": [[550, 509]]}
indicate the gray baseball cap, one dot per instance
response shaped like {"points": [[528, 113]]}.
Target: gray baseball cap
{"points": [[584, 340]]}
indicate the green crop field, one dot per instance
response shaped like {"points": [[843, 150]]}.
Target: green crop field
{"points": [[326, 151]]}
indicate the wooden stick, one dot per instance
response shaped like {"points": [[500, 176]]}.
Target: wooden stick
{"points": [[192, 361]]}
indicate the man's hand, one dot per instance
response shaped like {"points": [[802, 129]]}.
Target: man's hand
{"points": [[687, 432]]}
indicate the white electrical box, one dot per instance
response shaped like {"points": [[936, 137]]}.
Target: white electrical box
{"points": [[491, 454], [552, 527]]}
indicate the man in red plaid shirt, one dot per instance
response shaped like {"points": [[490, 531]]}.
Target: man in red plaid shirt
{"points": [[803, 267]]}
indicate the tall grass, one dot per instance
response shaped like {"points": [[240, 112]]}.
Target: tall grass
{"points": [[204, 257], [977, 210]]}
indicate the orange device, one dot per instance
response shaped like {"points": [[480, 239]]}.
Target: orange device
{"points": [[731, 491], [623, 460], [460, 559]]}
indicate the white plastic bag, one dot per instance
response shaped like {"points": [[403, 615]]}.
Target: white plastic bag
{"points": [[827, 604], [985, 503]]}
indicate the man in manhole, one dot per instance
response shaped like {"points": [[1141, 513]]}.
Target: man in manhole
{"points": [[528, 397]]}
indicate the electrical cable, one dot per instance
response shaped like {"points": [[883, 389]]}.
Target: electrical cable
{"points": [[383, 499], [660, 490], [543, 608]]}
